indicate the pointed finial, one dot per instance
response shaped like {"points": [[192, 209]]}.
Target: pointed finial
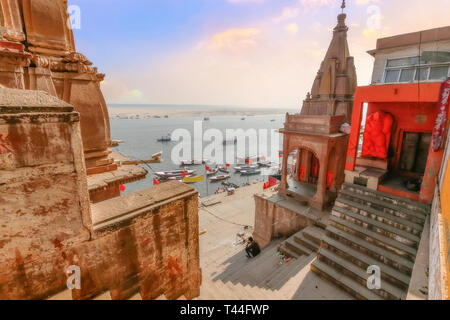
{"points": [[343, 6]]}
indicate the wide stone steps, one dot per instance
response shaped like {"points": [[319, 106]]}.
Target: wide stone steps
{"points": [[397, 203], [303, 243], [298, 248], [387, 291], [370, 250], [375, 238], [306, 243], [288, 252], [314, 234], [384, 229], [409, 218], [369, 228], [364, 261], [289, 271], [343, 281]]}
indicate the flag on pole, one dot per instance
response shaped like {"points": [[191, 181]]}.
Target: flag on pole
{"points": [[228, 165], [207, 168], [183, 174], [155, 182]]}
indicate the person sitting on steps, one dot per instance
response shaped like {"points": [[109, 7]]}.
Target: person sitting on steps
{"points": [[252, 248]]}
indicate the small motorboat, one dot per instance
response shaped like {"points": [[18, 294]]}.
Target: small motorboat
{"points": [[228, 142], [167, 138], [174, 173], [246, 168], [220, 178], [224, 169], [212, 171], [193, 162], [250, 172], [266, 164]]}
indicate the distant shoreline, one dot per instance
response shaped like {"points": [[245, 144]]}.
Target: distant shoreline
{"points": [[158, 111]]}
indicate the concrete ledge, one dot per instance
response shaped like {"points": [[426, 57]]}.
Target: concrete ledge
{"points": [[118, 210]]}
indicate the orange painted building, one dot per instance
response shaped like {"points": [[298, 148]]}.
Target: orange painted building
{"points": [[414, 109]]}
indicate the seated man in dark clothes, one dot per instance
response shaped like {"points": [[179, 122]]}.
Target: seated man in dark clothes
{"points": [[252, 248]]}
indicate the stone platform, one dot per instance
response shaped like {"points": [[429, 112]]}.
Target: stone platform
{"points": [[279, 216]]}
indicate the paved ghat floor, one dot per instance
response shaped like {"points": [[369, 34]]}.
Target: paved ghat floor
{"points": [[229, 275]]}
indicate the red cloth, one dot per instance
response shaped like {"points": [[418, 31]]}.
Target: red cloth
{"points": [[441, 119], [271, 183], [377, 135], [330, 178], [302, 173]]}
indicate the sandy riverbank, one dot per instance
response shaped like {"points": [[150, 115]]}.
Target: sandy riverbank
{"points": [[172, 111]]}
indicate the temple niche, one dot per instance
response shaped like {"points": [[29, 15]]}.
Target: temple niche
{"points": [[37, 52]]}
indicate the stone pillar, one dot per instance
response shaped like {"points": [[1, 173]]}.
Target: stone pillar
{"points": [[321, 197], [284, 178]]}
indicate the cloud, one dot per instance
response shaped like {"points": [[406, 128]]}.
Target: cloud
{"points": [[235, 39], [292, 28]]}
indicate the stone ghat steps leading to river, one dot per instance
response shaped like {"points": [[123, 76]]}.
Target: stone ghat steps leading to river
{"points": [[371, 228]]}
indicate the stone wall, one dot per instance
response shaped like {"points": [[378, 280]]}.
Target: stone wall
{"points": [[144, 242], [274, 219]]}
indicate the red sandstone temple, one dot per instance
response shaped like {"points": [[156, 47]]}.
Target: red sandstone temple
{"points": [[60, 204], [374, 197]]}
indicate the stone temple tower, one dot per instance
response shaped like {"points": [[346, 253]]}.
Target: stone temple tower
{"points": [[335, 83]]}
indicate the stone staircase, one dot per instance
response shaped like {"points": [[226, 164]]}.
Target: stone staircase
{"points": [[303, 243], [367, 228], [265, 277]]}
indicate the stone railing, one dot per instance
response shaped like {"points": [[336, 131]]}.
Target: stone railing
{"points": [[314, 124]]}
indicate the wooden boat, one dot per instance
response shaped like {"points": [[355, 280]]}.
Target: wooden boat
{"points": [[250, 172], [167, 138], [212, 172], [224, 169], [266, 164], [174, 173], [243, 168], [220, 178], [193, 162], [227, 142]]}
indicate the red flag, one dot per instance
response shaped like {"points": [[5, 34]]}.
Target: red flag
{"points": [[122, 188], [249, 161], [281, 156], [264, 158], [207, 168], [228, 165], [272, 182], [183, 174], [155, 182]]}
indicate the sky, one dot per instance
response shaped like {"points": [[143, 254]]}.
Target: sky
{"points": [[249, 53]]}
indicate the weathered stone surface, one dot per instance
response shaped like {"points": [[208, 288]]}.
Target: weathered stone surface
{"points": [[49, 62], [146, 242]]}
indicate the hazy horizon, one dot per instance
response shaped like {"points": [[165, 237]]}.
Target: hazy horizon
{"points": [[252, 53]]}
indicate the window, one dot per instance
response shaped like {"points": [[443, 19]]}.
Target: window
{"points": [[392, 75], [438, 73], [407, 75], [431, 66]]}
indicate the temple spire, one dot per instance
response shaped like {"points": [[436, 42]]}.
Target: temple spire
{"points": [[343, 6]]}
